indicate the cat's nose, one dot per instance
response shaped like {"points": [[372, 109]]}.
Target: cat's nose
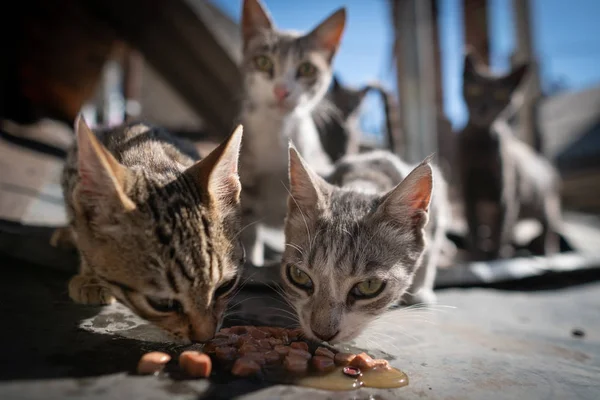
{"points": [[326, 337], [280, 92]]}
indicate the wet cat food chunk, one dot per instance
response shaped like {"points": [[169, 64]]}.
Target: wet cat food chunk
{"points": [[282, 350], [226, 353], [152, 363], [352, 372], [323, 363], [245, 367], [362, 361], [295, 364], [299, 353], [257, 357], [258, 334], [323, 351], [299, 345], [272, 357], [248, 348], [343, 359], [381, 363], [195, 364]]}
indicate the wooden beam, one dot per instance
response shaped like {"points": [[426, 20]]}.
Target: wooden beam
{"points": [[182, 49], [527, 124], [416, 76]]}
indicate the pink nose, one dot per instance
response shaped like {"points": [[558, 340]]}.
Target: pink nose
{"points": [[280, 92]]}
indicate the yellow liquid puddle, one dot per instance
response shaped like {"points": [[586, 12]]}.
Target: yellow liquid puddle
{"points": [[381, 378]]}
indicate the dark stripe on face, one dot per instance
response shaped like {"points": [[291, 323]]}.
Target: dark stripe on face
{"points": [[183, 270], [378, 305], [172, 281]]}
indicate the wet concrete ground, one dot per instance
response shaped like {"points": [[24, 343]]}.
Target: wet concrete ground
{"points": [[479, 344]]}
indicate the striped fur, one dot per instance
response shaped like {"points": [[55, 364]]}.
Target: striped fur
{"points": [[368, 219], [152, 225]]}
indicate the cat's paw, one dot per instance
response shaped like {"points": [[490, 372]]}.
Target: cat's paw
{"points": [[63, 238], [85, 289], [423, 296]]}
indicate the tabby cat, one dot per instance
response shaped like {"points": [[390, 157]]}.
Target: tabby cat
{"points": [[153, 228], [285, 76], [357, 246], [503, 179]]}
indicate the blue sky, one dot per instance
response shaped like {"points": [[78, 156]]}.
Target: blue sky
{"points": [[566, 34]]}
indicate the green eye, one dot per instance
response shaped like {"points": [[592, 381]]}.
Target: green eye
{"points": [[263, 63], [474, 90], [164, 305], [307, 70], [299, 278], [501, 94], [368, 289]]}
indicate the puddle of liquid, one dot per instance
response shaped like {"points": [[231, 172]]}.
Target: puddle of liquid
{"points": [[381, 378]]}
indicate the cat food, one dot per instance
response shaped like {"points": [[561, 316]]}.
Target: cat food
{"points": [[343, 358], [279, 355], [245, 367], [195, 364], [152, 363], [352, 371]]}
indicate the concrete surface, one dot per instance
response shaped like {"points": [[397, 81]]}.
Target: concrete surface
{"points": [[478, 344]]}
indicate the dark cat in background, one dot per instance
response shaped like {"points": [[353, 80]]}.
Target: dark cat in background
{"points": [[338, 117], [503, 179]]}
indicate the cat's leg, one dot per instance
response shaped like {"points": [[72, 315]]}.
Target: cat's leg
{"points": [[551, 224], [63, 237], [472, 226], [508, 217], [85, 288]]}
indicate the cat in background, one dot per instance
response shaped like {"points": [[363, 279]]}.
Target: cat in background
{"points": [[285, 75], [338, 119], [357, 243], [503, 179], [154, 229]]}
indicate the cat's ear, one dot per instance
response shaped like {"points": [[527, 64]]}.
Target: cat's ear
{"points": [[408, 202], [328, 34], [336, 83], [307, 188], [217, 173], [517, 75], [472, 61], [102, 178], [255, 18]]}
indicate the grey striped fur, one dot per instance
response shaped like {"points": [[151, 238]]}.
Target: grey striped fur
{"points": [[151, 224], [364, 221]]}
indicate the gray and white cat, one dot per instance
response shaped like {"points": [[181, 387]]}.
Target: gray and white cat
{"points": [[153, 228], [359, 244], [503, 179], [286, 75]]}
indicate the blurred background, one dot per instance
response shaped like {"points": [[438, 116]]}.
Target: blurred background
{"points": [[174, 63]]}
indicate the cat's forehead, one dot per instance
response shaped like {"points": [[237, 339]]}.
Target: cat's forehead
{"points": [[282, 43]]}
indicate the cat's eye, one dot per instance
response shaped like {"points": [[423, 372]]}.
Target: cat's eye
{"points": [[226, 287], [501, 94], [368, 288], [263, 63], [299, 278], [474, 90], [164, 305], [306, 70]]}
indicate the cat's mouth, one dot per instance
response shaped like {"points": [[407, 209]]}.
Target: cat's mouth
{"points": [[282, 107]]}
